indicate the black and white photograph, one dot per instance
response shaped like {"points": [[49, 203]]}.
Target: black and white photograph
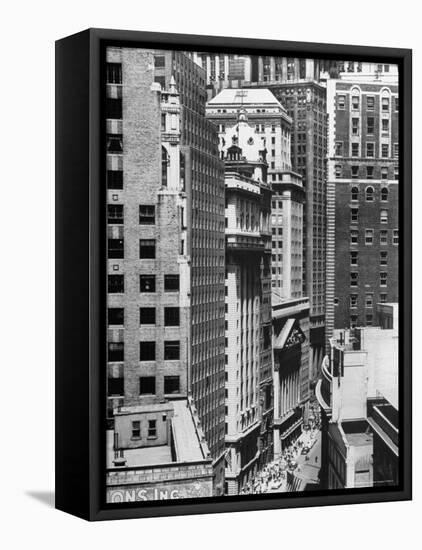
{"points": [[252, 296]]}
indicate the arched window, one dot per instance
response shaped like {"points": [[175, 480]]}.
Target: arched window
{"points": [[165, 161], [384, 194], [354, 193], [369, 194]]}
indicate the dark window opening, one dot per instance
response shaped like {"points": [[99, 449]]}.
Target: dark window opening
{"points": [[171, 384], [114, 179], [115, 213], [146, 214], [114, 108], [116, 284], [147, 283], [171, 283], [116, 316], [116, 351], [115, 143], [147, 248], [171, 350], [147, 385], [147, 316], [114, 73], [115, 248], [115, 386], [147, 351], [171, 316]]}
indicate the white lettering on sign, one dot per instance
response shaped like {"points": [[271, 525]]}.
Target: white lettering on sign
{"points": [[136, 495]]}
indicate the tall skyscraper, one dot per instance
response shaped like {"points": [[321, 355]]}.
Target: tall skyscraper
{"points": [[165, 210], [362, 201]]}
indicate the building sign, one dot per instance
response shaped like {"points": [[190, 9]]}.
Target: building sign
{"points": [[144, 493]]}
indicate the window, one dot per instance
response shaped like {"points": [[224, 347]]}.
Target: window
{"points": [[355, 149], [136, 429], [370, 102], [116, 316], [396, 173], [370, 149], [147, 283], [396, 103], [353, 300], [385, 125], [369, 236], [171, 283], [353, 320], [384, 175], [115, 213], [171, 317], [355, 172], [115, 179], [171, 384], [370, 125], [369, 319], [369, 194], [383, 297], [159, 61], [114, 143], [369, 173], [395, 236], [355, 102], [353, 279], [146, 351], [161, 80], [165, 161], [171, 350], [383, 278], [152, 428], [147, 316], [354, 215], [384, 216], [355, 126], [147, 385], [114, 107], [384, 150], [341, 102], [114, 73], [339, 149], [383, 236], [338, 171], [116, 351], [115, 386], [385, 104], [146, 214], [384, 194], [396, 150], [115, 248], [116, 284], [369, 300], [354, 255], [383, 258], [147, 248], [354, 236]]}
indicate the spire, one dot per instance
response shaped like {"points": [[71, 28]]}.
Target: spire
{"points": [[173, 89]]}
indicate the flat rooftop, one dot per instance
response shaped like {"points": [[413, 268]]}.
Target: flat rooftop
{"points": [[187, 446], [246, 97]]}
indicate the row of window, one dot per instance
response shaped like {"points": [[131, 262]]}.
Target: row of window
{"points": [[354, 278], [370, 103], [147, 386], [369, 175], [147, 351], [369, 194], [369, 236], [146, 214], [341, 151], [354, 258], [146, 249], [354, 216], [147, 316], [147, 283]]}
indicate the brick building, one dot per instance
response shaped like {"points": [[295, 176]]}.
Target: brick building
{"points": [[165, 209], [362, 201]]}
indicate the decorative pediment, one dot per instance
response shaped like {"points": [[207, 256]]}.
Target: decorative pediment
{"points": [[291, 335]]}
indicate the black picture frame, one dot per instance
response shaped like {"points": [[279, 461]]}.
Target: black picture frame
{"points": [[80, 279]]}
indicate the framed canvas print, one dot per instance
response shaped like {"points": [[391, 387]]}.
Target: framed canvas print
{"points": [[233, 274]]}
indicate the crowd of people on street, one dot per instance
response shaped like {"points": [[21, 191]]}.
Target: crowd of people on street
{"points": [[273, 476]]}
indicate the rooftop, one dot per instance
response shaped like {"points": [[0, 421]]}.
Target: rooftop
{"points": [[186, 438], [246, 97]]}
